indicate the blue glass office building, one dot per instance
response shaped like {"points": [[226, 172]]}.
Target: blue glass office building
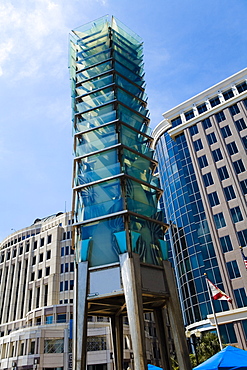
{"points": [[201, 148]]}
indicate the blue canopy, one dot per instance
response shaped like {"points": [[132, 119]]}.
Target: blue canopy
{"points": [[229, 358], [152, 367]]}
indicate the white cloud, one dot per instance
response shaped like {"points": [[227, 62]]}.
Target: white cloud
{"points": [[30, 30]]}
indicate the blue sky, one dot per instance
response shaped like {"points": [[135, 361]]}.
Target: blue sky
{"points": [[189, 46]]}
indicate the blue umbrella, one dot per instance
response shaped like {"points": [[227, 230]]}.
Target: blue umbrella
{"points": [[152, 367], [230, 358]]}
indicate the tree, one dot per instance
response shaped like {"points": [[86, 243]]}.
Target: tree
{"points": [[207, 347]]}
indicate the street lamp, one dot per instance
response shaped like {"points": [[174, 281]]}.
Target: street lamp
{"points": [[194, 335]]}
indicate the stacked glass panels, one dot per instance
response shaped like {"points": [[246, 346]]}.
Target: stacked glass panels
{"points": [[115, 197]]}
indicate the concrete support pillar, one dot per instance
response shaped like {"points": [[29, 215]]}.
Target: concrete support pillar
{"points": [[117, 338], [175, 316], [162, 334], [80, 317], [131, 278]]}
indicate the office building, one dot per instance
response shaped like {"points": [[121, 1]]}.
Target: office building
{"points": [[37, 291], [201, 148]]}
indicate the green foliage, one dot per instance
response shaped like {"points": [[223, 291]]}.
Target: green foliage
{"points": [[206, 347]]}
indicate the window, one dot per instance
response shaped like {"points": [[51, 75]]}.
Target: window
{"points": [[202, 108], [203, 162], [242, 237], [176, 121], [217, 155], [238, 166], [229, 192], [49, 319], [96, 343], [227, 333], [72, 251], [211, 138], [244, 139], [39, 274], [233, 270], [48, 254], [53, 346], [37, 297], [240, 124], [213, 199], [67, 248], [35, 244], [41, 257], [214, 101], [49, 238], [189, 115], [225, 131], [232, 148], [241, 87], [61, 286], [27, 247], [66, 267], [223, 173], [32, 276], [62, 268], [42, 242], [243, 185], [66, 285], [206, 123], [234, 109], [240, 297], [61, 317], [34, 260], [62, 251], [220, 116], [236, 214], [198, 145], [71, 284], [228, 94], [226, 244], [193, 130], [32, 347], [219, 220], [208, 179], [71, 266], [47, 271]]}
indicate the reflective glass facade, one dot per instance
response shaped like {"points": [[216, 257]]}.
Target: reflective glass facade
{"points": [[193, 251], [115, 197], [202, 166]]}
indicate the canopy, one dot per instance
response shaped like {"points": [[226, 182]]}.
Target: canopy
{"points": [[152, 367], [229, 358]]}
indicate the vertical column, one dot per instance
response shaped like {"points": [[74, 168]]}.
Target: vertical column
{"points": [[175, 316], [131, 278], [160, 325], [117, 338], [80, 316]]}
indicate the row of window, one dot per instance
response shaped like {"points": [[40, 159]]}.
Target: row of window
{"points": [[213, 102], [27, 248], [66, 285], [229, 195], [226, 132], [236, 215], [238, 165], [226, 243], [67, 267]]}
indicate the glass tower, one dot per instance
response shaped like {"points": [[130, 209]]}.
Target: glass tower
{"points": [[115, 193], [120, 252]]}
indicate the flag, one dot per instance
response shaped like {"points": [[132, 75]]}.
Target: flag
{"points": [[244, 258], [217, 293]]}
